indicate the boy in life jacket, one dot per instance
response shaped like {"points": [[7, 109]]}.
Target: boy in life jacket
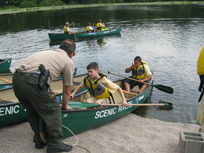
{"points": [[99, 86], [90, 28], [100, 26], [140, 72], [66, 28]]}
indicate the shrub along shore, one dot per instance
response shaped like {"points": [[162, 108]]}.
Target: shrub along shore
{"points": [[17, 10]]}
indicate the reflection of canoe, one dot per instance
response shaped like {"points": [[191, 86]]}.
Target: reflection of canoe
{"points": [[12, 111], [6, 79], [81, 119], [5, 64], [62, 36]]}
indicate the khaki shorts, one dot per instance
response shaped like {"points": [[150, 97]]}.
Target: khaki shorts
{"points": [[103, 100]]}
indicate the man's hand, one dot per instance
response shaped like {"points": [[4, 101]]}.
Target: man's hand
{"points": [[65, 107]]}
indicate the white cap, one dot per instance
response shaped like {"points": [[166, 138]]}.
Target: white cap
{"points": [[67, 23]]}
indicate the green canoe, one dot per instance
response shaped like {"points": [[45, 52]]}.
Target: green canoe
{"points": [[6, 79], [62, 36], [81, 119], [11, 111], [5, 64]]}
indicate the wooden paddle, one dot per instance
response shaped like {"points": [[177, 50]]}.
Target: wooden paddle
{"points": [[74, 32], [87, 105], [7, 81], [130, 92], [163, 88]]}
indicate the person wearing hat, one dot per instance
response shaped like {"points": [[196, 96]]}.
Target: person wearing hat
{"points": [[66, 28], [90, 28], [100, 25]]}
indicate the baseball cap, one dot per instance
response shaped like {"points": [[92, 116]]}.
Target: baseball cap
{"points": [[100, 20], [67, 23]]}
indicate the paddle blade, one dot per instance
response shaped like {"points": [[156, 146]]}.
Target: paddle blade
{"points": [[163, 88], [81, 104]]}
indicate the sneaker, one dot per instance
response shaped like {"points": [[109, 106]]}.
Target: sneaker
{"points": [[40, 146], [63, 148]]}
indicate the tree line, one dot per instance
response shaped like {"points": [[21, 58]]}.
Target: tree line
{"points": [[39, 3]]}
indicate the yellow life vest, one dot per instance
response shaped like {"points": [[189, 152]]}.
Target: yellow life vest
{"points": [[87, 29], [139, 72], [65, 30], [200, 63], [97, 89], [200, 71], [99, 27]]}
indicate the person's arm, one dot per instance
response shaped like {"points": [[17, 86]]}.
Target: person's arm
{"points": [[124, 102], [71, 23], [66, 96], [75, 91], [127, 70]]}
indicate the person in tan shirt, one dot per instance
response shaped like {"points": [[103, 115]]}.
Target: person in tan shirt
{"points": [[141, 72], [37, 99], [99, 87]]}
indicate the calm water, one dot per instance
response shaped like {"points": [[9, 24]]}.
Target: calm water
{"points": [[168, 38]]}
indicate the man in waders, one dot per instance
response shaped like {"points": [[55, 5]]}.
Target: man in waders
{"points": [[31, 86]]}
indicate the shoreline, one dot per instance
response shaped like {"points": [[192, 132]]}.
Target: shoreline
{"points": [[97, 5], [130, 133]]}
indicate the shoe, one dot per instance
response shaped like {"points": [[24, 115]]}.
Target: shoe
{"points": [[40, 146], [63, 148]]}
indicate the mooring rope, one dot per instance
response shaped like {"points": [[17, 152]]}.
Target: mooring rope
{"points": [[76, 144]]}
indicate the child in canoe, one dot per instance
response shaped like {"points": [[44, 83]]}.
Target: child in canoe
{"points": [[99, 87]]}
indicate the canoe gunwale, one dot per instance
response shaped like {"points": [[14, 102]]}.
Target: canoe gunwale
{"points": [[62, 36], [101, 108], [5, 60]]}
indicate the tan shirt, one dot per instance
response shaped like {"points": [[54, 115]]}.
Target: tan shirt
{"points": [[67, 28], [101, 25], [57, 61], [112, 87], [147, 70]]}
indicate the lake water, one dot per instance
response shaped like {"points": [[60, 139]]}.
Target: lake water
{"points": [[168, 37]]}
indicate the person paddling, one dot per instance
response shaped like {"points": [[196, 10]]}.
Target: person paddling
{"points": [[66, 28], [141, 72]]}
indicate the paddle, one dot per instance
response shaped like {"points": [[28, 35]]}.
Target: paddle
{"points": [[130, 92], [74, 32], [87, 105], [163, 88], [7, 81]]}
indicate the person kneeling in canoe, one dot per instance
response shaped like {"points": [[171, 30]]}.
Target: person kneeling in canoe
{"points": [[90, 28], [100, 26], [66, 28], [99, 87], [140, 72]]}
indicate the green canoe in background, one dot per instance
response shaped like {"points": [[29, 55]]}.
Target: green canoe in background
{"points": [[81, 119], [5, 64], [62, 36]]}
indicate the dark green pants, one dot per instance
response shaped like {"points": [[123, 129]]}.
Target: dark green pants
{"points": [[38, 103]]}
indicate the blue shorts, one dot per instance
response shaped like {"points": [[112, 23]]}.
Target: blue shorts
{"points": [[134, 83]]}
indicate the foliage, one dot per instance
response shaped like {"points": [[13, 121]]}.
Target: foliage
{"points": [[26, 3], [45, 3]]}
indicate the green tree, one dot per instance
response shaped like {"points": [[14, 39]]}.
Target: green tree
{"points": [[28, 3]]}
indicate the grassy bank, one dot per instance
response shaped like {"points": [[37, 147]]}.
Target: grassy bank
{"points": [[16, 10]]}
